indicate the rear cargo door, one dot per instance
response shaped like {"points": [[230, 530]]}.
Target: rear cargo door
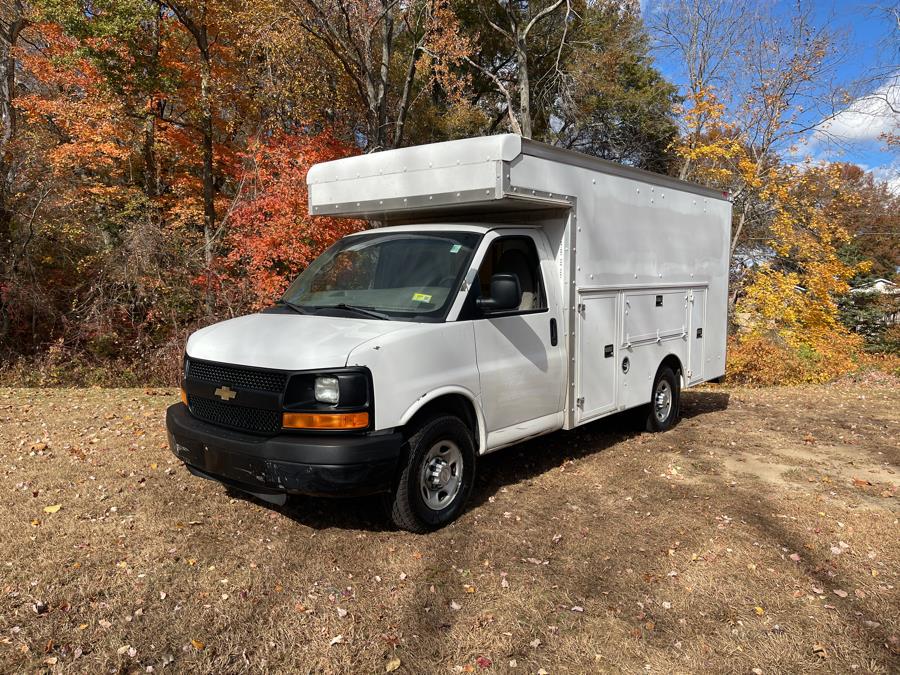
{"points": [[596, 358], [697, 302]]}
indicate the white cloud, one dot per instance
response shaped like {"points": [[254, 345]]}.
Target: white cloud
{"points": [[889, 174], [867, 118]]}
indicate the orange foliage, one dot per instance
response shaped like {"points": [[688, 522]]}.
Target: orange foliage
{"points": [[272, 238], [83, 116]]}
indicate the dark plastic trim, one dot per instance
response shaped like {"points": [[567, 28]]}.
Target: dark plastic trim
{"points": [[315, 464]]}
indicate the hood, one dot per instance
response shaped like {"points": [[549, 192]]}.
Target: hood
{"points": [[287, 341]]}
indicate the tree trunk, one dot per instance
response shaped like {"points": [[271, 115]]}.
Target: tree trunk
{"points": [[209, 206], [8, 39], [195, 23], [148, 150], [524, 89]]}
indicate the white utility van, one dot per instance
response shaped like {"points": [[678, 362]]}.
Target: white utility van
{"points": [[508, 289]]}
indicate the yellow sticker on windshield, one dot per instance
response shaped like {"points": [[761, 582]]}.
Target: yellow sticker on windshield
{"points": [[421, 297]]}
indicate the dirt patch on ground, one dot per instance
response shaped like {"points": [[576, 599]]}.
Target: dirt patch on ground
{"points": [[762, 532]]}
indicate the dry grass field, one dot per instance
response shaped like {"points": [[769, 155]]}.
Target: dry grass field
{"points": [[760, 535]]}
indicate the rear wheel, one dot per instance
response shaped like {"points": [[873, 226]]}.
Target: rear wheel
{"points": [[665, 399], [435, 483]]}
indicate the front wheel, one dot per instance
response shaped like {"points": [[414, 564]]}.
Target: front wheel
{"points": [[435, 483], [665, 400]]}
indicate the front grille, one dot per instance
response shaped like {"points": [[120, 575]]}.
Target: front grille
{"points": [[239, 378], [235, 416]]}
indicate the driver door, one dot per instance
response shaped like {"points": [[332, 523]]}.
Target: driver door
{"points": [[519, 352]]}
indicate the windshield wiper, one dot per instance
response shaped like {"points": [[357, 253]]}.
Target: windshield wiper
{"points": [[365, 311], [297, 308]]}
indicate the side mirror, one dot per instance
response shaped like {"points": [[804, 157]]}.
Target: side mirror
{"points": [[506, 294]]}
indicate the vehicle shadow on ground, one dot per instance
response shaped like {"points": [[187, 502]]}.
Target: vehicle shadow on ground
{"points": [[521, 462], [532, 458]]}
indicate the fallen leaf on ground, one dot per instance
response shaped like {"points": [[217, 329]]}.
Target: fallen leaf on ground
{"points": [[819, 650], [52, 509], [455, 606], [759, 611], [392, 665], [336, 640], [198, 645], [840, 593]]}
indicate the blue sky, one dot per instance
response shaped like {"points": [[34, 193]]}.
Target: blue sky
{"points": [[864, 47]]}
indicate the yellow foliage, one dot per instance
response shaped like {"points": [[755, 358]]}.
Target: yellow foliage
{"points": [[765, 358], [791, 299], [712, 146]]}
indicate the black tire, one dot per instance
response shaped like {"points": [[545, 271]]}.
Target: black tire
{"points": [[430, 444], [662, 417]]}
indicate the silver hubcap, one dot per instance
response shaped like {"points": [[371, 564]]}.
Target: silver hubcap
{"points": [[441, 475], [662, 400]]}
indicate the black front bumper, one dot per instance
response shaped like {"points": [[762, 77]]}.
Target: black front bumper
{"points": [[335, 465]]}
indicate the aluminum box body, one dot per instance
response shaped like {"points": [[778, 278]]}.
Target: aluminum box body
{"points": [[642, 260]]}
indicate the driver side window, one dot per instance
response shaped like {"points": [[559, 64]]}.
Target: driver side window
{"points": [[518, 256]]}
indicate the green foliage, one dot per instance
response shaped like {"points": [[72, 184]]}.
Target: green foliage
{"points": [[874, 316]]}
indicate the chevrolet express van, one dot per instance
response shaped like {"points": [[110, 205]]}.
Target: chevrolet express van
{"points": [[507, 289]]}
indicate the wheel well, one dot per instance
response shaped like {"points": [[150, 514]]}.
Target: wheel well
{"points": [[672, 361], [449, 404]]}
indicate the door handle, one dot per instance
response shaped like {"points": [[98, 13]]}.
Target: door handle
{"points": [[554, 337]]}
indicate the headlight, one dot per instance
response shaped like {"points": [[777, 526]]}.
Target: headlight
{"points": [[327, 390]]}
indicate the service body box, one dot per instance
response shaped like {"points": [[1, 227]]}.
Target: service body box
{"points": [[643, 259]]}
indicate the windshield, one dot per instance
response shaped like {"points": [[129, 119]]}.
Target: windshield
{"points": [[391, 274]]}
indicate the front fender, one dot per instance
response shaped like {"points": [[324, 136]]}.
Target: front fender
{"points": [[411, 367], [446, 391]]}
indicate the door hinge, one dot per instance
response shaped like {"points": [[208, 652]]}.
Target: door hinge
{"points": [[580, 402]]}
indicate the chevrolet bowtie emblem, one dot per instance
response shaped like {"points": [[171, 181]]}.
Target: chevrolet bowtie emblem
{"points": [[225, 393]]}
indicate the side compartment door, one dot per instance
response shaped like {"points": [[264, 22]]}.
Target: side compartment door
{"points": [[697, 299], [596, 361]]}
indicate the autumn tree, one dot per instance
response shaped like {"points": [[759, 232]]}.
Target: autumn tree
{"points": [[272, 237], [777, 65], [194, 15], [706, 36], [378, 44]]}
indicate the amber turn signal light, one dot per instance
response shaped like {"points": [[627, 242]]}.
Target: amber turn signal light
{"points": [[184, 396], [359, 420]]}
